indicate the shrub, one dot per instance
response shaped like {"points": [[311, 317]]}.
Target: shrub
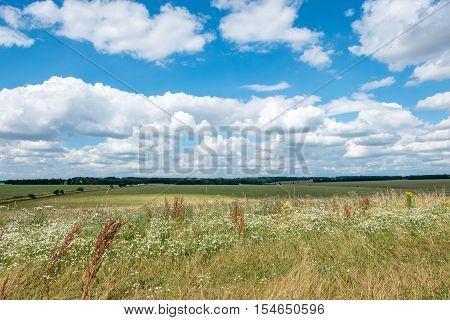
{"points": [[81, 189], [32, 195], [61, 192], [56, 192]]}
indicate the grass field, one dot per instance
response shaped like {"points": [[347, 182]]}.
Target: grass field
{"points": [[383, 246], [138, 196], [8, 191]]}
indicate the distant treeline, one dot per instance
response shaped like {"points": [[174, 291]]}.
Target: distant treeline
{"points": [[210, 181]]}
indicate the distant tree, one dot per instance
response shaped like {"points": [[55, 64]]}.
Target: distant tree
{"points": [[81, 189], [56, 192], [61, 192], [111, 186]]}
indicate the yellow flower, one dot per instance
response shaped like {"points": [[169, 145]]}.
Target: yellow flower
{"points": [[409, 194], [287, 204]]}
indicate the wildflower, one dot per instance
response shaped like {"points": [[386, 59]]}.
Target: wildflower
{"points": [[287, 205], [409, 199]]}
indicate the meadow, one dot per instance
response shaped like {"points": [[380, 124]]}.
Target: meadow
{"points": [[11, 193], [142, 195], [385, 244]]}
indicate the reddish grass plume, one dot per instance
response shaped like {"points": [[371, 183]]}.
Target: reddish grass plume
{"points": [[237, 217], [104, 241], [166, 210], [347, 210], [178, 210], [59, 251], [3, 287], [364, 203]]}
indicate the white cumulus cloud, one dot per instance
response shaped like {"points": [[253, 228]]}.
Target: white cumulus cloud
{"points": [[317, 57], [385, 82], [349, 12], [422, 46], [438, 101], [264, 87], [123, 26], [10, 37], [436, 69], [40, 122], [256, 25]]}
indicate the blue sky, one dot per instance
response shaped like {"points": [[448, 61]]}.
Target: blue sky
{"points": [[217, 57]]}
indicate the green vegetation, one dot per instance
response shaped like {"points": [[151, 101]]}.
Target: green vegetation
{"points": [[141, 195], [346, 247], [126, 181], [8, 191]]}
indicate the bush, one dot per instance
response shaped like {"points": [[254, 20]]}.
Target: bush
{"points": [[56, 192], [61, 192], [111, 186], [81, 189], [32, 195]]}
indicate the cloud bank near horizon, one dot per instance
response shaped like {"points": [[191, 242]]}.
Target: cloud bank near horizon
{"points": [[38, 124]]}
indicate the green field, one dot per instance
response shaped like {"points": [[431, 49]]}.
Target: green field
{"points": [[141, 195], [345, 240], [8, 191], [383, 246]]}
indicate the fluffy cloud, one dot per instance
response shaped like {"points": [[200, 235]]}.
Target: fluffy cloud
{"points": [[255, 25], [70, 105], [349, 13], [262, 87], [134, 31], [435, 69], [61, 105], [39, 123], [317, 57], [421, 46], [438, 101], [12, 16], [386, 82], [356, 103], [10, 37]]}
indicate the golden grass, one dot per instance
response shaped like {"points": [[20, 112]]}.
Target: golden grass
{"points": [[3, 285]]}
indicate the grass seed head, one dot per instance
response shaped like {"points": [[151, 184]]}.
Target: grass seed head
{"points": [[166, 209], [3, 287], [347, 210], [104, 241]]}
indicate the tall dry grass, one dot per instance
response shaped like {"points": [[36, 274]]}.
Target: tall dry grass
{"points": [[166, 210], [3, 286], [104, 241], [237, 217], [300, 250], [58, 252], [178, 208]]}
